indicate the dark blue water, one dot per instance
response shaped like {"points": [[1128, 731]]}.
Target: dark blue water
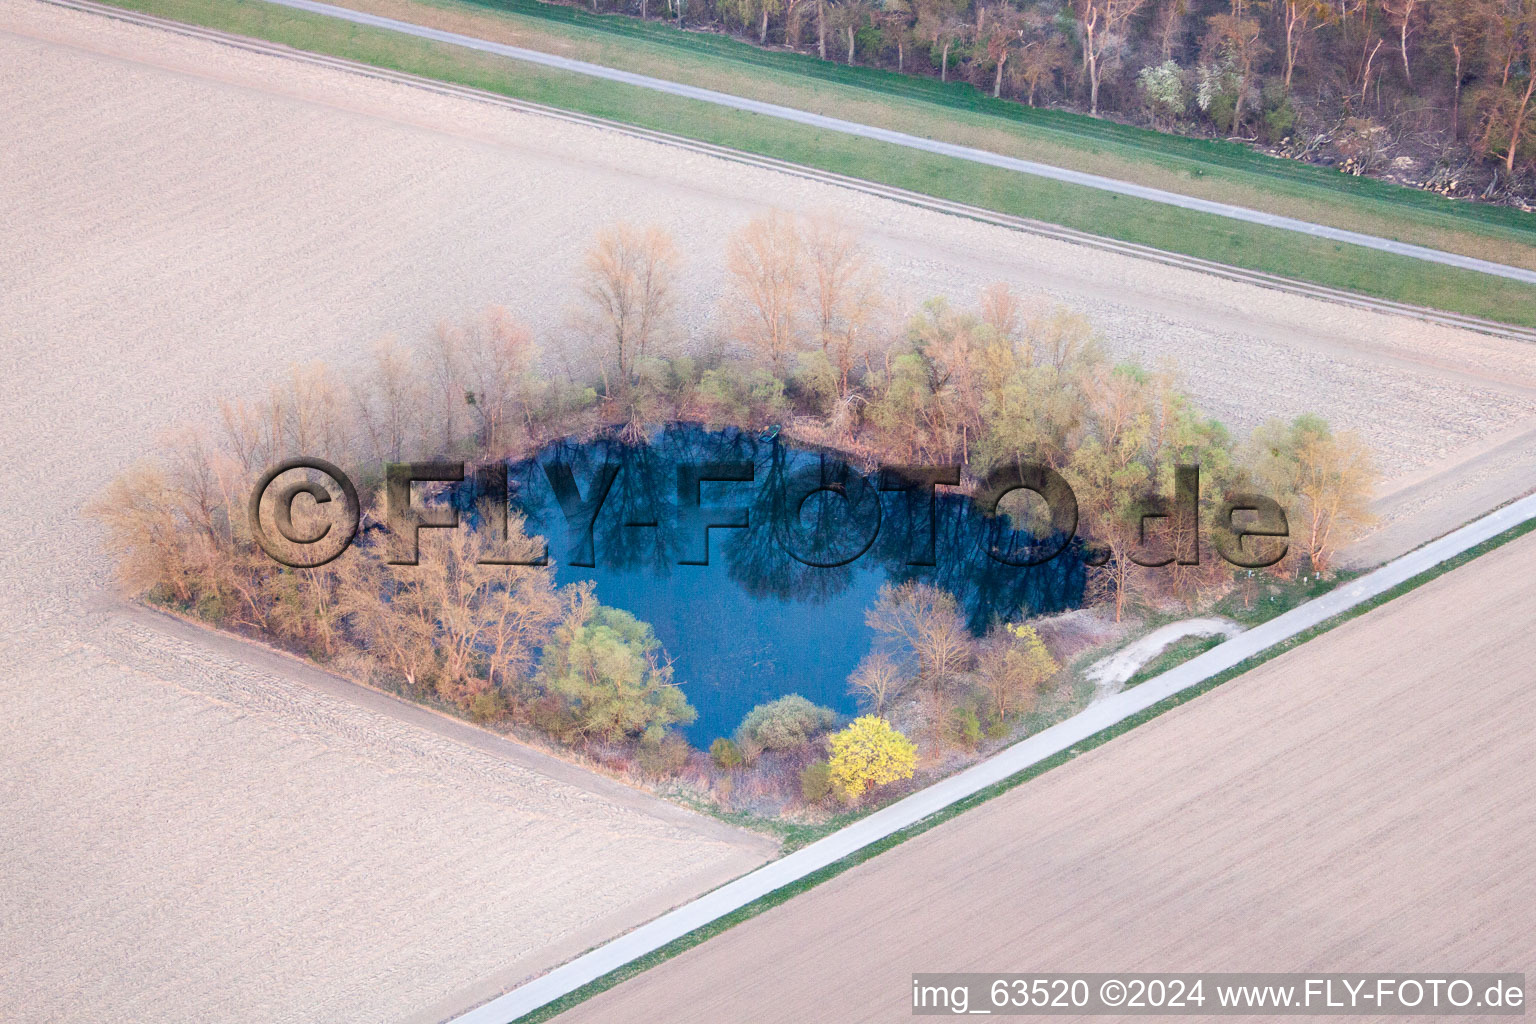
{"points": [[758, 622]]}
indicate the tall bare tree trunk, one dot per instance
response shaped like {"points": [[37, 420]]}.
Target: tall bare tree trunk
{"points": [[1093, 83], [1091, 60], [850, 45], [821, 28], [1518, 125], [1365, 72], [1121, 572], [997, 83], [1168, 27], [1291, 16], [944, 64], [1456, 95]]}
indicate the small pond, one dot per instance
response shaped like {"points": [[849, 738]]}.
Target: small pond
{"points": [[758, 621]]}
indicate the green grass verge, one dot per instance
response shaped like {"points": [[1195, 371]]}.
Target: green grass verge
{"points": [[1271, 597], [786, 893], [1216, 238], [649, 46], [1174, 655]]}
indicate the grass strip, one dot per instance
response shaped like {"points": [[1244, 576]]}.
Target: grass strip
{"points": [[1207, 236], [956, 96]]}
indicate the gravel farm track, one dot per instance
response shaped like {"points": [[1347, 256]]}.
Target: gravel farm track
{"points": [[197, 828]]}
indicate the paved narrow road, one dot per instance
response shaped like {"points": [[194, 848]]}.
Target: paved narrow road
{"points": [[1102, 714], [1366, 802], [896, 138]]}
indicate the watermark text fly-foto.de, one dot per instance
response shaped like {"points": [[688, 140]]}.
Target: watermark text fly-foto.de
{"points": [[1239, 516]]}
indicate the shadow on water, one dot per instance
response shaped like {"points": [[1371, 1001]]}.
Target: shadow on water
{"points": [[779, 606]]}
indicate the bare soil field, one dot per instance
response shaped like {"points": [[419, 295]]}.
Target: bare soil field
{"points": [[1365, 802], [199, 829], [382, 209], [196, 828]]}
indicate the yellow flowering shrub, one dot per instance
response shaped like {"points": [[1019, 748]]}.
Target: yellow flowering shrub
{"points": [[869, 753]]}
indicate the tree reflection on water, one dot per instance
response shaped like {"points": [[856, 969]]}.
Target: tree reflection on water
{"points": [[758, 622]]}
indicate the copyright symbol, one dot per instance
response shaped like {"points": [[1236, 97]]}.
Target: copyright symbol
{"points": [[1112, 992], [315, 547]]}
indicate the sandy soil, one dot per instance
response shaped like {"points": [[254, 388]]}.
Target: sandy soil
{"points": [[194, 829], [1364, 802]]}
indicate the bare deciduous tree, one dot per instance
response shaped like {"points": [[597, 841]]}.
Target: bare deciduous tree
{"points": [[942, 28], [925, 623], [766, 281], [482, 376], [628, 281], [1002, 38], [1301, 17], [1325, 478], [453, 621], [878, 680], [1508, 105], [845, 292], [1101, 25], [1238, 40], [388, 403], [1012, 664]]}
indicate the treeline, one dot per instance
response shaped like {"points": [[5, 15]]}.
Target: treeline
{"points": [[808, 340], [1000, 382], [1341, 79]]}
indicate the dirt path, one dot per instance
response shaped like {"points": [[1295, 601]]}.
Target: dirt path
{"points": [[197, 831], [1109, 674], [1363, 801]]}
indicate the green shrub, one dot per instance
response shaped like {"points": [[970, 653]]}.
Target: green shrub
{"points": [[607, 666], [663, 759], [814, 381], [784, 724], [816, 782], [726, 754], [964, 727], [741, 395], [548, 714], [1279, 115], [211, 607], [488, 706], [1216, 93]]}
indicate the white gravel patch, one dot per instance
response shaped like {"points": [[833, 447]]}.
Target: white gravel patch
{"points": [[1110, 674]]}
